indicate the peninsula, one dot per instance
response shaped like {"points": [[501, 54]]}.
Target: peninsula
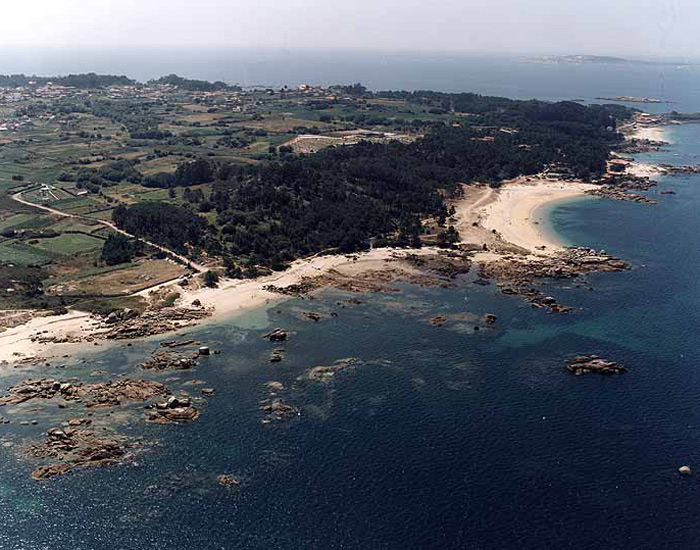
{"points": [[130, 209]]}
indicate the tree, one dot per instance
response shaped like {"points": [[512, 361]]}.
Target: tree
{"points": [[211, 279], [194, 173], [448, 237], [117, 250]]}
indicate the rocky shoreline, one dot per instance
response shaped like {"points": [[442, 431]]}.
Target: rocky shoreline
{"points": [[75, 444], [516, 275], [513, 269]]}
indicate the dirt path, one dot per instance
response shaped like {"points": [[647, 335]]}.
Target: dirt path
{"points": [[18, 197]]}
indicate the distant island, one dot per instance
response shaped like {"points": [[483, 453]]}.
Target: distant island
{"points": [[631, 99], [600, 60]]}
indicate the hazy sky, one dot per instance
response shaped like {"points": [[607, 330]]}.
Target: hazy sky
{"points": [[617, 27]]}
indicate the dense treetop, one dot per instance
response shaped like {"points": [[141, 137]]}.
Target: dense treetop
{"points": [[342, 197], [83, 81], [192, 85]]}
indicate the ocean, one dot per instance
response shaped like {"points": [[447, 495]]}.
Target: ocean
{"points": [[440, 437], [514, 76]]}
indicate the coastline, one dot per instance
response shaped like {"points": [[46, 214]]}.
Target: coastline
{"points": [[502, 221], [650, 133], [229, 299], [517, 213], [647, 127]]}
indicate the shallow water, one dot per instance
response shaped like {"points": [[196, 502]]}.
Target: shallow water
{"points": [[441, 437]]}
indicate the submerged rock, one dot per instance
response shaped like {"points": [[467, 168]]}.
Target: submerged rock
{"points": [[325, 373], [312, 316]]}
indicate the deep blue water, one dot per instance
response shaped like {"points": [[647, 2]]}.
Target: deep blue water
{"points": [[442, 438]]}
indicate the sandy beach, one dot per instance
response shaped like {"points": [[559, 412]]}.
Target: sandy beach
{"points": [[508, 217], [504, 220], [651, 133], [643, 170], [513, 215], [230, 298]]}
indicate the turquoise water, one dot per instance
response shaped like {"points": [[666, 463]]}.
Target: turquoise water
{"points": [[441, 437]]}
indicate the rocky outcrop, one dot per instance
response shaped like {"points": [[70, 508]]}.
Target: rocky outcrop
{"points": [[517, 274], [45, 388], [155, 321], [111, 394], [325, 373], [672, 170], [227, 480], [175, 410], [74, 448], [168, 360], [586, 364], [634, 145], [438, 320], [179, 343], [615, 193], [277, 335], [438, 270], [278, 411], [104, 394], [445, 265]]}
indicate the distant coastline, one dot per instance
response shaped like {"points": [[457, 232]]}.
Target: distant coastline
{"points": [[632, 99]]}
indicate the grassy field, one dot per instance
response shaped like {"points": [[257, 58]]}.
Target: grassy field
{"points": [[19, 253], [72, 137], [70, 244], [125, 279]]}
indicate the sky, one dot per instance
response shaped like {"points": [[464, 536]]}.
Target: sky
{"points": [[639, 28]]}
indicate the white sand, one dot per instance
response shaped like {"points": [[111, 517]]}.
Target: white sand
{"points": [[652, 133], [230, 298], [642, 170], [16, 343], [510, 211], [236, 296]]}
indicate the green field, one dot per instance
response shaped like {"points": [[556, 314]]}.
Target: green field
{"points": [[69, 244], [15, 252]]}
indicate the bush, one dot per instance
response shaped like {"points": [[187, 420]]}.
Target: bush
{"points": [[211, 279]]}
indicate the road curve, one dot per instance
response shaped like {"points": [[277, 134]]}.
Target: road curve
{"points": [[18, 197]]}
